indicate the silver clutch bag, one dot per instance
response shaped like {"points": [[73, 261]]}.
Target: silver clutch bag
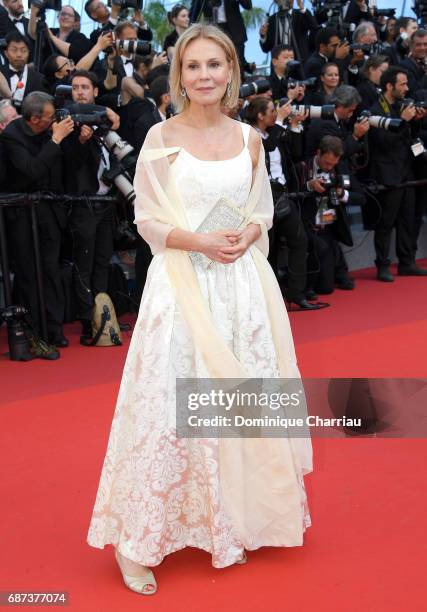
{"points": [[223, 216]]}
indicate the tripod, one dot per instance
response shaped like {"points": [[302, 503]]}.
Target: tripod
{"points": [[41, 38]]}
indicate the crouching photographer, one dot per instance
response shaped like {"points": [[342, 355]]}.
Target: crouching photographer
{"points": [[91, 223], [280, 143], [324, 217]]}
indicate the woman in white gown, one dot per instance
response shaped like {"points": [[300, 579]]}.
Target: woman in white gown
{"points": [[159, 493]]}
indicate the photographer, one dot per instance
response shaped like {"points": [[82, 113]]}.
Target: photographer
{"points": [[365, 36], [357, 11], [65, 40], [91, 223], [329, 48], [21, 78], [346, 100], [280, 58], [99, 12], [12, 18], [399, 49], [369, 86], [226, 15], [324, 218], [288, 27], [179, 18], [35, 163], [391, 163], [280, 145], [57, 70], [119, 62], [415, 64]]}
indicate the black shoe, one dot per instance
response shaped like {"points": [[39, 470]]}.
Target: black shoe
{"points": [[411, 271], [384, 274], [304, 305], [345, 283], [86, 327], [311, 295], [59, 341]]}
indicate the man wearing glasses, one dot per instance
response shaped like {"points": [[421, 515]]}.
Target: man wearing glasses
{"points": [[99, 12]]}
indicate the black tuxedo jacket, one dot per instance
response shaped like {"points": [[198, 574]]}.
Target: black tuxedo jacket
{"points": [[6, 25], [390, 154], [302, 24], [34, 162], [81, 164], [234, 26], [35, 80]]}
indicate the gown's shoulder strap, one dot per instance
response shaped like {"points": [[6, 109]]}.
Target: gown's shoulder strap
{"points": [[246, 129]]}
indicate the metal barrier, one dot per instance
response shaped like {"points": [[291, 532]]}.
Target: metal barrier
{"points": [[24, 200]]}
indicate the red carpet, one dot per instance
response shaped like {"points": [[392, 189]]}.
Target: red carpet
{"points": [[366, 550]]}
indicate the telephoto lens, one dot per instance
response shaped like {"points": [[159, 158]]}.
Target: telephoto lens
{"points": [[314, 112], [136, 47], [385, 123], [254, 87]]}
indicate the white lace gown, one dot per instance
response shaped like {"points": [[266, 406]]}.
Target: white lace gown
{"points": [[158, 494]]}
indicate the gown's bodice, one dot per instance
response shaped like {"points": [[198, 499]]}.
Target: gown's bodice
{"points": [[202, 183]]}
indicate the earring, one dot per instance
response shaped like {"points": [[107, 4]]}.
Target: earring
{"points": [[183, 92], [228, 90]]}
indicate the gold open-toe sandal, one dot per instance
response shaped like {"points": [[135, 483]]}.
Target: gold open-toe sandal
{"points": [[145, 585], [243, 559]]}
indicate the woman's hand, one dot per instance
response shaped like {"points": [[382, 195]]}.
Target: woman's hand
{"points": [[215, 245], [238, 243]]}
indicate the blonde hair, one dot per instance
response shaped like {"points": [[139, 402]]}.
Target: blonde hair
{"points": [[210, 32]]}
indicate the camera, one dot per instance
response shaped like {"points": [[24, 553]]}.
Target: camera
{"points": [[136, 5], [54, 5], [360, 47], [336, 181], [378, 121], [254, 87], [420, 8], [387, 12], [314, 112], [121, 172], [87, 114], [409, 102], [15, 319], [310, 82]]}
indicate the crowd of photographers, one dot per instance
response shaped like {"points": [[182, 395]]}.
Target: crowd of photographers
{"points": [[342, 116]]}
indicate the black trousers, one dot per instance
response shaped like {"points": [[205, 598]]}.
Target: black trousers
{"points": [[326, 263], [20, 242], [291, 229], [92, 236], [397, 210]]}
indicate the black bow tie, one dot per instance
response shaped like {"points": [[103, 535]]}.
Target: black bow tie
{"points": [[129, 61], [16, 20], [17, 72]]}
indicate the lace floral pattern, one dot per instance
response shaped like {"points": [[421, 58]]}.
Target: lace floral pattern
{"points": [[158, 494]]}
